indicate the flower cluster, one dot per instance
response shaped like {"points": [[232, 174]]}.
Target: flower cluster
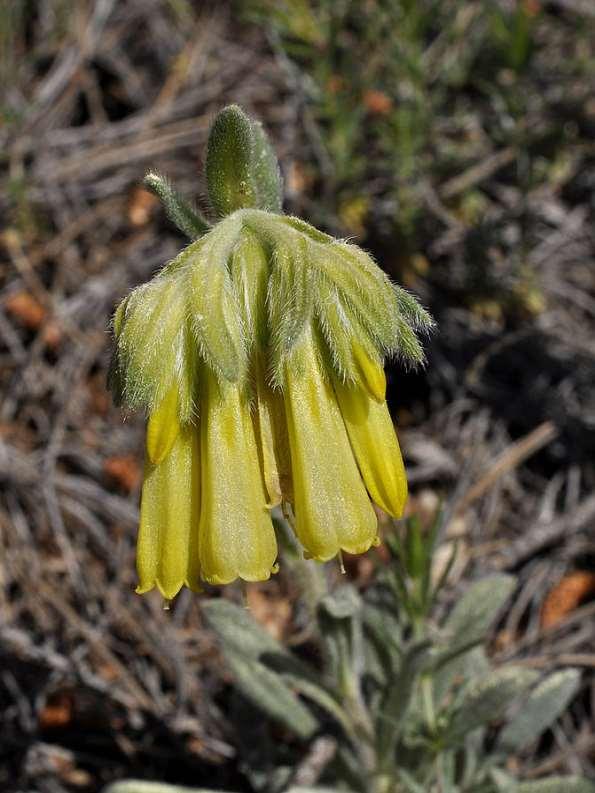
{"points": [[258, 356]]}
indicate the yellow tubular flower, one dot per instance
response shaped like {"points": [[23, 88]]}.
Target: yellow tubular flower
{"points": [[258, 353], [236, 536], [167, 546], [375, 446], [273, 443], [332, 509], [163, 427], [370, 372]]}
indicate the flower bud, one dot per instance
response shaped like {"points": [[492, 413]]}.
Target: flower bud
{"points": [[242, 170]]}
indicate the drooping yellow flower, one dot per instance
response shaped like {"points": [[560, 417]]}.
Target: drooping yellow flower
{"points": [[258, 353], [258, 356], [167, 548], [332, 509], [235, 534]]}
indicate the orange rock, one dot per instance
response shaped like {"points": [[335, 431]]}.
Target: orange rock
{"points": [[272, 611], [335, 84], [377, 102], [52, 334], [299, 178], [532, 7], [140, 206], [566, 596], [99, 400], [26, 309], [57, 712], [124, 471]]}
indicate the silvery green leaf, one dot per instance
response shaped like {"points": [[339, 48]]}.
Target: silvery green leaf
{"points": [[399, 693], [448, 768], [263, 778], [238, 630], [348, 767], [268, 691], [504, 782], [451, 677], [383, 639], [317, 789], [142, 786], [322, 698], [487, 700], [474, 613], [474, 762], [383, 623], [340, 626], [558, 784], [409, 783], [542, 707], [343, 603]]}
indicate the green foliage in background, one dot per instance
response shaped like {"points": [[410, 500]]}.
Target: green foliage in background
{"points": [[414, 705], [404, 99]]}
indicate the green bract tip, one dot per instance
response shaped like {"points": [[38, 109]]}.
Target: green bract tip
{"points": [[242, 170]]}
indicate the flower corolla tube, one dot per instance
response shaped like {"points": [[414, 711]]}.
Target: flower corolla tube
{"points": [[258, 355]]}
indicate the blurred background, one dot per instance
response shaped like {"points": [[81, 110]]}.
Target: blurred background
{"points": [[454, 140]]}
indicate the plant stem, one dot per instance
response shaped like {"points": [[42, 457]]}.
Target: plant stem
{"points": [[428, 698]]}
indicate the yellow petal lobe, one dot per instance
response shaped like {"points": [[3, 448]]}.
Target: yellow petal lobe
{"points": [[167, 545], [370, 371], [375, 446], [163, 427], [332, 509], [273, 443], [237, 539]]}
